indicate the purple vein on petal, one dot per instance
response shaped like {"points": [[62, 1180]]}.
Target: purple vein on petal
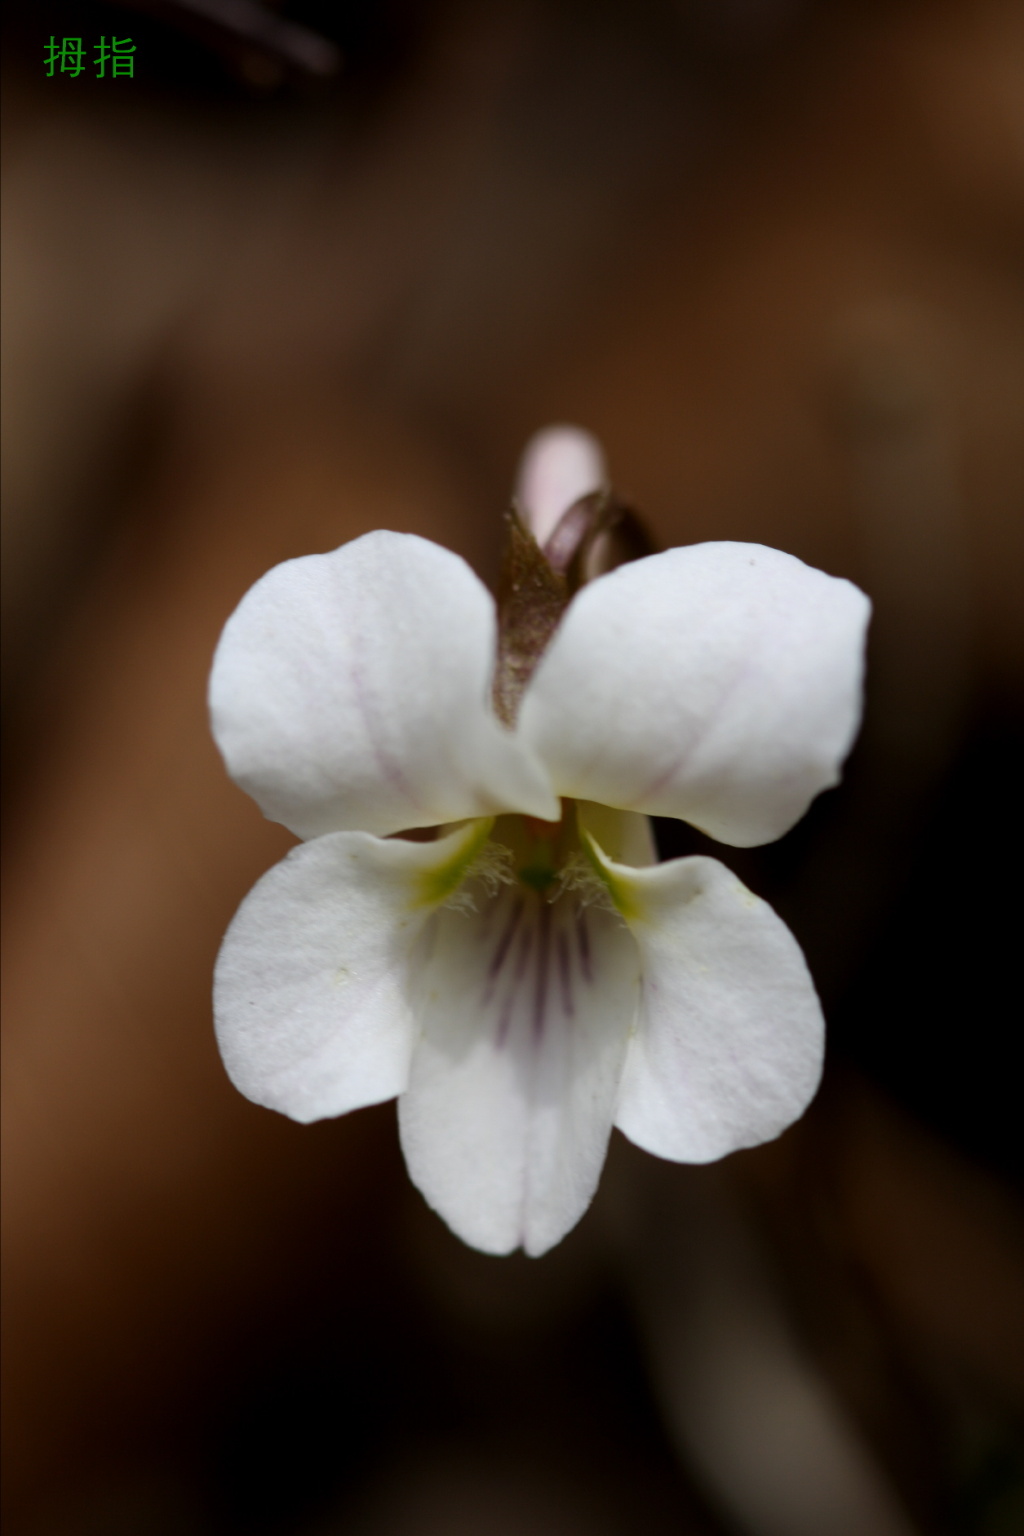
{"points": [[501, 951], [523, 948], [540, 991], [583, 943], [565, 973]]}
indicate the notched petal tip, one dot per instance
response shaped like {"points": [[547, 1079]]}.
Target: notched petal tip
{"points": [[525, 1006]]}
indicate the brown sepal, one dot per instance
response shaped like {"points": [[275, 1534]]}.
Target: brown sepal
{"points": [[532, 596], [596, 534]]}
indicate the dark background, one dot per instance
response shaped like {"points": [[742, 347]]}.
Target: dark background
{"points": [[316, 269]]}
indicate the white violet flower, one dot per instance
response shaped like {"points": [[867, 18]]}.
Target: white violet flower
{"points": [[531, 976]]}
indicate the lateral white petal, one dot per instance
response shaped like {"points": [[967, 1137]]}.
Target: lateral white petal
{"points": [[352, 690], [526, 1010], [310, 998], [720, 684], [558, 466], [729, 1039]]}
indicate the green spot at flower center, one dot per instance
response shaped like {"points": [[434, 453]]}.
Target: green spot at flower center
{"points": [[539, 877], [546, 858]]}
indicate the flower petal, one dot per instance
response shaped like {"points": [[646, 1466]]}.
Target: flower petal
{"points": [[720, 683], [352, 690], [310, 996], [526, 1010], [729, 1039], [625, 836], [558, 466]]}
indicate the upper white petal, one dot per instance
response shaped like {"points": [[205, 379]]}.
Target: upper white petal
{"points": [[310, 995], [719, 683], [525, 1010], [352, 690], [729, 1038], [558, 466]]}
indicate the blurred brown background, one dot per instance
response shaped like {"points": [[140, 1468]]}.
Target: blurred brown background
{"points": [[320, 269]]}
